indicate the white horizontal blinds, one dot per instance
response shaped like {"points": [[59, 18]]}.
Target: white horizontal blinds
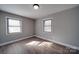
{"points": [[14, 22], [14, 26], [14, 29], [47, 22], [47, 25]]}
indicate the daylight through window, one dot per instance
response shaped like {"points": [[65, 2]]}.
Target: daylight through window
{"points": [[13, 26]]}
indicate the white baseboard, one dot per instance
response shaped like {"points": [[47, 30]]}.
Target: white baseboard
{"points": [[67, 45], [15, 40]]}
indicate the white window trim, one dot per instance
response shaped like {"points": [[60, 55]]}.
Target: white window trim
{"points": [[6, 20], [44, 24]]}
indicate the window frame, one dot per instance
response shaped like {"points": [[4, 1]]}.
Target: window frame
{"points": [[7, 26], [44, 25]]}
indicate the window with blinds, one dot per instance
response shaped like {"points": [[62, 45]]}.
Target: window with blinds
{"points": [[13, 26], [47, 25]]}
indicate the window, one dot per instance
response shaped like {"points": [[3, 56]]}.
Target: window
{"points": [[13, 26], [47, 25]]}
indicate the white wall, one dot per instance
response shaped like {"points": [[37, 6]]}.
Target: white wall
{"points": [[65, 27], [27, 28]]}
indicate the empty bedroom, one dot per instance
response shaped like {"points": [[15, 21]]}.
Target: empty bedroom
{"points": [[39, 29]]}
